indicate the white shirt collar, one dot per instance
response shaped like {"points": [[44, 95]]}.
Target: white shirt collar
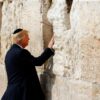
{"points": [[19, 46]]}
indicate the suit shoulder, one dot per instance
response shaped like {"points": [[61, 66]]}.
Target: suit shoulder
{"points": [[25, 52]]}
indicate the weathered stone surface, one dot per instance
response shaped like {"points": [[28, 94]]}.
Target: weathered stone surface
{"points": [[0, 13], [86, 27], [62, 88], [46, 26], [61, 23], [3, 80], [77, 49], [1, 3]]}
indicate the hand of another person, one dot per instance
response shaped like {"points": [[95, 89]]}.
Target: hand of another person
{"points": [[51, 43]]}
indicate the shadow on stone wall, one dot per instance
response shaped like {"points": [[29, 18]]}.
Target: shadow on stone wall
{"points": [[48, 80], [69, 4]]}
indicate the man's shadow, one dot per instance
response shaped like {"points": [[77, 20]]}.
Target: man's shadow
{"points": [[47, 79]]}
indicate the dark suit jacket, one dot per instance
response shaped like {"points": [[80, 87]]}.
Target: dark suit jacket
{"points": [[23, 82]]}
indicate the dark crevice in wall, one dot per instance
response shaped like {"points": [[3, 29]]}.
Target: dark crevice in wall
{"points": [[69, 4], [50, 2], [10, 1]]}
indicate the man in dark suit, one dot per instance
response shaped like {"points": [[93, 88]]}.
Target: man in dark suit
{"points": [[23, 82]]}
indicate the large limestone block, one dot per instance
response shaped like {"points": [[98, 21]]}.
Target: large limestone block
{"points": [[77, 50], [90, 58], [85, 16], [68, 59], [59, 18], [62, 88], [86, 26]]}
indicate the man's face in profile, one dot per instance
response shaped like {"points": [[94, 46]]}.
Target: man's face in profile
{"points": [[25, 40]]}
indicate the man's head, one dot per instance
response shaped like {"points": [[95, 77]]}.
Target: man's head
{"points": [[20, 36]]}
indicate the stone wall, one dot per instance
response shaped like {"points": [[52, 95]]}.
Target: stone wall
{"points": [[0, 22], [76, 72], [0, 13]]}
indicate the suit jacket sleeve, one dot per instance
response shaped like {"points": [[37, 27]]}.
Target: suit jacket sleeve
{"points": [[36, 61]]}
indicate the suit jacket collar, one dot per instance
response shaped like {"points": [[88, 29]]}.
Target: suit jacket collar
{"points": [[17, 46]]}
